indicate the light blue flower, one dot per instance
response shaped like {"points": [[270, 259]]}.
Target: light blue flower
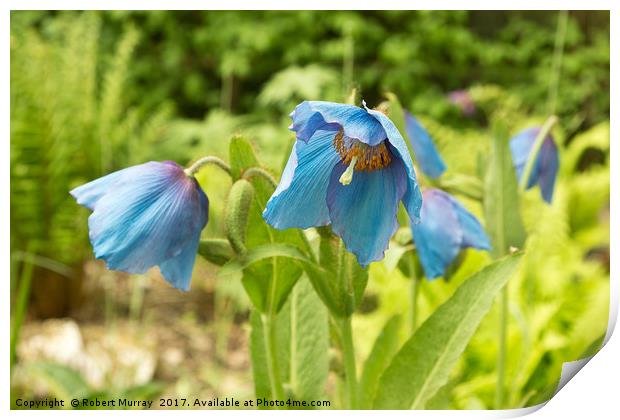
{"points": [[146, 215], [547, 162], [350, 168], [446, 228], [426, 153]]}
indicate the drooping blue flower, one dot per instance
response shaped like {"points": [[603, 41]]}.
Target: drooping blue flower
{"points": [[426, 153], [546, 165], [350, 167], [445, 229], [146, 215]]}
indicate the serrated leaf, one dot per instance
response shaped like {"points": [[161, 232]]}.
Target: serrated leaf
{"points": [[383, 350], [423, 364]]}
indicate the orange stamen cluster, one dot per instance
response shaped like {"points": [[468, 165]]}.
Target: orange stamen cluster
{"points": [[369, 158]]}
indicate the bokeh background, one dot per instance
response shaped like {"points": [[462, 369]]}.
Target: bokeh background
{"points": [[92, 92]]}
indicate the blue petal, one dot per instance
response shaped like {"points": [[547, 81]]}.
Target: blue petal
{"points": [[520, 148], [310, 116], [147, 218], [549, 164], [413, 197], [438, 237], [363, 213], [474, 235], [424, 149], [88, 194], [299, 199], [178, 270]]}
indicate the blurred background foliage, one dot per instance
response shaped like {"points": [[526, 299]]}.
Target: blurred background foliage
{"points": [[92, 92]]}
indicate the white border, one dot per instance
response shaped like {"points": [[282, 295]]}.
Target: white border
{"points": [[595, 390]]}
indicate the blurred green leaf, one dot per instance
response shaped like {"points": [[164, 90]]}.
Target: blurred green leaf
{"points": [[501, 197], [423, 364], [384, 348], [216, 251]]}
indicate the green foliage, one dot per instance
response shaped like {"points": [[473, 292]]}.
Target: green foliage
{"points": [[423, 364]]}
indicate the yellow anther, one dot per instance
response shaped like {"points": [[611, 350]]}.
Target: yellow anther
{"points": [[367, 158]]}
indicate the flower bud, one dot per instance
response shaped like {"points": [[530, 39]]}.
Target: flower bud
{"points": [[237, 213]]}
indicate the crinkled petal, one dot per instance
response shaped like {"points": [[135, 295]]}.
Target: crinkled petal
{"points": [[424, 149], [474, 235], [310, 116], [299, 199], [549, 165], [148, 218], [363, 213], [413, 197], [438, 236]]}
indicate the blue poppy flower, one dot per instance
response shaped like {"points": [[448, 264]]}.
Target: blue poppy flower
{"points": [[445, 229], [146, 215], [350, 167], [546, 165], [424, 149]]}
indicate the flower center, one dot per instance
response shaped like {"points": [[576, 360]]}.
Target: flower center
{"points": [[367, 158]]}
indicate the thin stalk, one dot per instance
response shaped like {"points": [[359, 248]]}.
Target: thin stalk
{"points": [[415, 290], [252, 172], [269, 338], [207, 160], [558, 54], [21, 307], [529, 165], [501, 357], [348, 352]]}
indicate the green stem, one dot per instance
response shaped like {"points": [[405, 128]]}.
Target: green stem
{"points": [[529, 165], [415, 289], [21, 306], [269, 338], [251, 172], [208, 160], [348, 353], [501, 357], [558, 54]]}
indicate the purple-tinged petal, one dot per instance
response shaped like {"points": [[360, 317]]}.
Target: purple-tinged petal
{"points": [[549, 165], [151, 215], [363, 213]]}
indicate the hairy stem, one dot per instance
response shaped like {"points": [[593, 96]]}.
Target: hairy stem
{"points": [[207, 160], [348, 352]]}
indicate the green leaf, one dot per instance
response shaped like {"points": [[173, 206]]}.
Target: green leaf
{"points": [[259, 357], [501, 197], [309, 335], [423, 364], [264, 252], [269, 281], [343, 273], [216, 251], [61, 381], [382, 352]]}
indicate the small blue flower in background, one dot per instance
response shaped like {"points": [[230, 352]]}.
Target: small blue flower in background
{"points": [[146, 215], [446, 227], [349, 167], [546, 165], [426, 153]]}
